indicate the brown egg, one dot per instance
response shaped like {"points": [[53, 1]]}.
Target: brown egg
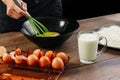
{"points": [[38, 52], [3, 50], [32, 60], [50, 54], [20, 59], [6, 58], [18, 51], [57, 63], [44, 61], [63, 56]]}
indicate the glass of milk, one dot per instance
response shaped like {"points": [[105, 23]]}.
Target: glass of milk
{"points": [[88, 46]]}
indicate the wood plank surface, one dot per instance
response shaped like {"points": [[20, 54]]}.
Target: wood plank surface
{"points": [[107, 66]]}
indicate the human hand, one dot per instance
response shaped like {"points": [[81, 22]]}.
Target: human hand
{"points": [[13, 10]]}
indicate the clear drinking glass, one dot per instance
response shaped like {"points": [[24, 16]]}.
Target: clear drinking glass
{"points": [[88, 46]]}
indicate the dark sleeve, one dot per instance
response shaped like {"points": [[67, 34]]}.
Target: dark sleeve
{"points": [[45, 7], [7, 24]]}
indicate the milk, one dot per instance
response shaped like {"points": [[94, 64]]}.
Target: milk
{"points": [[87, 46]]}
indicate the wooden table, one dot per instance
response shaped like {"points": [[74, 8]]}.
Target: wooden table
{"points": [[107, 66]]}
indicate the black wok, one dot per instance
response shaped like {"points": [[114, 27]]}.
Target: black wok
{"points": [[66, 29]]}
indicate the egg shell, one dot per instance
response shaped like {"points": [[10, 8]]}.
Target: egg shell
{"points": [[63, 56], [57, 63], [44, 61], [32, 60]]}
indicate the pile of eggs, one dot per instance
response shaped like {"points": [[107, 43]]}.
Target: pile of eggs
{"points": [[37, 57]]}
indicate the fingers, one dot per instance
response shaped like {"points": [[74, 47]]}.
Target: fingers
{"points": [[16, 12], [24, 6], [13, 14]]}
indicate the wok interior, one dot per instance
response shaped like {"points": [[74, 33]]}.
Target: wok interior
{"points": [[56, 24], [53, 25]]}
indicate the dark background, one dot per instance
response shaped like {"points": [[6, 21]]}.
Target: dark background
{"points": [[81, 9]]}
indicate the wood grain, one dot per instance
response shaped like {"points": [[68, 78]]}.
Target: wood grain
{"points": [[107, 66]]}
